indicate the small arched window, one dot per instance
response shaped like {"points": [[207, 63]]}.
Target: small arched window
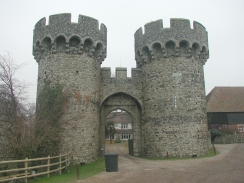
{"points": [[195, 49], [74, 42], [37, 44], [138, 59], [184, 48], [204, 50], [157, 50], [87, 45], [99, 51], [146, 54], [60, 43], [170, 48], [204, 53], [46, 44]]}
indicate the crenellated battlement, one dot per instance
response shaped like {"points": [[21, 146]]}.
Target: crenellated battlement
{"points": [[120, 73], [177, 40], [183, 25], [106, 72], [119, 82], [65, 18], [62, 35]]}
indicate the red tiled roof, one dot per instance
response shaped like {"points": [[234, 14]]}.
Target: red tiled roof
{"points": [[226, 99]]}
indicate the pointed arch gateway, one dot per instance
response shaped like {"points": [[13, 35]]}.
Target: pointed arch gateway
{"points": [[129, 104]]}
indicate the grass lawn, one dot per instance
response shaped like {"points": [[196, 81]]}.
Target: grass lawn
{"points": [[69, 176]]}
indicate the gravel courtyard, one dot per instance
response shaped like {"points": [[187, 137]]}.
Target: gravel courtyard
{"points": [[227, 167]]}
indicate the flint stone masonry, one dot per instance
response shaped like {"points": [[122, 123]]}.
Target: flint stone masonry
{"points": [[165, 94]]}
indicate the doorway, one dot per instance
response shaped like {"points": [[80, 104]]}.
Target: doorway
{"points": [[121, 107]]}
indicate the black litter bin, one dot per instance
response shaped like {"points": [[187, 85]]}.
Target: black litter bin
{"points": [[111, 162]]}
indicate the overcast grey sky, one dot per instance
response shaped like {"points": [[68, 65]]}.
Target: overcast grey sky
{"points": [[223, 19]]}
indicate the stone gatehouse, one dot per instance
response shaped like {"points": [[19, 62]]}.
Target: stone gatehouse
{"points": [[165, 94]]}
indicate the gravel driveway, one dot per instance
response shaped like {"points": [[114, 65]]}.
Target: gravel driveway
{"points": [[227, 167]]}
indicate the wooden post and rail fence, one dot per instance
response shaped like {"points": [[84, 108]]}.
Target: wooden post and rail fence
{"points": [[27, 168]]}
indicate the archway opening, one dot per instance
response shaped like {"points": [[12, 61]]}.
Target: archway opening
{"points": [[123, 113], [118, 130]]}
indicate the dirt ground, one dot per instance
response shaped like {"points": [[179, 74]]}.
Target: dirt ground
{"points": [[227, 167]]}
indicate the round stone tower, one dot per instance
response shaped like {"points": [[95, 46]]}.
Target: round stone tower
{"points": [[174, 118], [70, 54]]}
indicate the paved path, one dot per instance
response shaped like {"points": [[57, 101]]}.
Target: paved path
{"points": [[228, 167]]}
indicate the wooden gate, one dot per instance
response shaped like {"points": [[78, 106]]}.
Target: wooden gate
{"points": [[130, 144], [239, 138]]}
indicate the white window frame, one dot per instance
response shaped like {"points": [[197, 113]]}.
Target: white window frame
{"points": [[124, 125], [108, 137], [125, 136], [241, 128]]}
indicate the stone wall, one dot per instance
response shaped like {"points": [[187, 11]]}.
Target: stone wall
{"points": [[174, 106], [70, 54]]}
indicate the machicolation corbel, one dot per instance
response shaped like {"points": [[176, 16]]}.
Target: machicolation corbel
{"points": [[178, 40], [70, 38]]}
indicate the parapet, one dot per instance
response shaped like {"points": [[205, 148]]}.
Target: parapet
{"points": [[179, 38], [178, 31], [106, 72], [58, 25], [73, 35], [120, 73]]}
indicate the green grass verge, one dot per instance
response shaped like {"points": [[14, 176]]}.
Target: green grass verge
{"points": [[209, 154], [86, 170]]}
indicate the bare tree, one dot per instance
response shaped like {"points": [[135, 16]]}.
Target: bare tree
{"points": [[25, 131], [12, 111]]}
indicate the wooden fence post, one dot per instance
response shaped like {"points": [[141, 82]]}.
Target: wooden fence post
{"points": [[68, 158], [26, 170], [60, 164], [77, 170], [48, 167], [66, 161]]}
